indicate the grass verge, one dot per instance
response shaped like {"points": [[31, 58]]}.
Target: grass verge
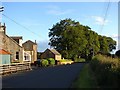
{"points": [[85, 79]]}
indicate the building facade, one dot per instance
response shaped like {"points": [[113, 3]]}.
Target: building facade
{"points": [[30, 51], [51, 53], [10, 45], [19, 52]]}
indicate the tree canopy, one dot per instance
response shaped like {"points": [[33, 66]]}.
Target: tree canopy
{"points": [[74, 40], [117, 53]]}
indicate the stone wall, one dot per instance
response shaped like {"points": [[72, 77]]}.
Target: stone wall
{"points": [[10, 45]]}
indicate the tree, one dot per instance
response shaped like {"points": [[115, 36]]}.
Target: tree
{"points": [[73, 40], [117, 53]]}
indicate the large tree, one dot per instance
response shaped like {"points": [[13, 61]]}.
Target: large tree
{"points": [[72, 39]]}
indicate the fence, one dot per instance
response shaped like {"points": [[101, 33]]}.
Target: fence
{"points": [[4, 69]]}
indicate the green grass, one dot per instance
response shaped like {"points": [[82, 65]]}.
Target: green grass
{"points": [[85, 79]]}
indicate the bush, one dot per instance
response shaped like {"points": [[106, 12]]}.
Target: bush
{"points": [[44, 62], [65, 60], [107, 70], [51, 61], [80, 60]]}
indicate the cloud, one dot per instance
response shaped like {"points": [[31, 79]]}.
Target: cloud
{"points": [[115, 36], [100, 20], [43, 45], [55, 10]]}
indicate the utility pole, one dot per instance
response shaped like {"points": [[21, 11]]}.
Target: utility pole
{"points": [[1, 9]]}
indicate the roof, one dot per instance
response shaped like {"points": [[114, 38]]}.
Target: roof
{"points": [[2, 51], [30, 42], [16, 37], [54, 51]]}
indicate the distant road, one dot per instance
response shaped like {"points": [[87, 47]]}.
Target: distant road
{"points": [[51, 77]]}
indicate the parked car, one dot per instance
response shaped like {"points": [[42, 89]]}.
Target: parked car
{"points": [[37, 63]]}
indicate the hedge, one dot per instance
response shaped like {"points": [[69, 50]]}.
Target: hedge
{"points": [[107, 70], [80, 60]]}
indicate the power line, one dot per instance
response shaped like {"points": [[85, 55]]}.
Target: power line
{"points": [[20, 25], [105, 16]]}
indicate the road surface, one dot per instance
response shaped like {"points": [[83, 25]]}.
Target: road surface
{"points": [[60, 76]]}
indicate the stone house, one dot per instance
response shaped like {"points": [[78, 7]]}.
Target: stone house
{"points": [[10, 45], [30, 51], [19, 52], [51, 53]]}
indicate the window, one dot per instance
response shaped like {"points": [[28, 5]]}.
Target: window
{"points": [[17, 55], [27, 57]]}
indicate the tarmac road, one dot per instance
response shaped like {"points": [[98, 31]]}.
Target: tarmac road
{"points": [[60, 76]]}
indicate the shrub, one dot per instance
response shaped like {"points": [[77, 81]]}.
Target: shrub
{"points": [[80, 60], [44, 62], [64, 60], [51, 61], [106, 70]]}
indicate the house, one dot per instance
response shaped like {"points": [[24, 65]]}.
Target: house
{"points": [[51, 53], [20, 52], [10, 45], [30, 51], [4, 57]]}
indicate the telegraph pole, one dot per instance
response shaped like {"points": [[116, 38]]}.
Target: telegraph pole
{"points": [[1, 9]]}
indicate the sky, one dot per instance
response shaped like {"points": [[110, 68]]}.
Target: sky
{"points": [[37, 18]]}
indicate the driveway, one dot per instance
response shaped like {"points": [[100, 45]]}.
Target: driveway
{"points": [[50, 77]]}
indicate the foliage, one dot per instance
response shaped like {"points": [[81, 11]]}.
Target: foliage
{"points": [[117, 53], [51, 61], [107, 70], [64, 60], [72, 40], [39, 55], [45, 62], [80, 60]]}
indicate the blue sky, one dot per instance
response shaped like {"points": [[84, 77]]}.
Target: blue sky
{"points": [[38, 17]]}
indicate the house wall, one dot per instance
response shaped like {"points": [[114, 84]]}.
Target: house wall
{"points": [[31, 49], [10, 45], [28, 46], [34, 53], [47, 54], [57, 57]]}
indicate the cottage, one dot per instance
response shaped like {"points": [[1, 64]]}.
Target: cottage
{"points": [[19, 52], [9, 44], [30, 51], [4, 57], [51, 53]]}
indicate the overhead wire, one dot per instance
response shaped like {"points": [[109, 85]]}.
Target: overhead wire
{"points": [[20, 25], [105, 17]]}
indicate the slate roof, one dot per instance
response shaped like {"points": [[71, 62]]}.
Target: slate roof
{"points": [[30, 42], [16, 37], [54, 52]]}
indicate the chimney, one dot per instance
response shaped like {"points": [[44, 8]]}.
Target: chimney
{"points": [[4, 28], [35, 41]]}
